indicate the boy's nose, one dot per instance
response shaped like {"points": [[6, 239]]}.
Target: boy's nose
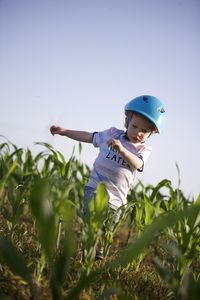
{"points": [[140, 134]]}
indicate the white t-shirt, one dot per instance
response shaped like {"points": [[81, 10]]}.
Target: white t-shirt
{"points": [[111, 169]]}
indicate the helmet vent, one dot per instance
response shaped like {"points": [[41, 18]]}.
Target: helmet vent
{"points": [[145, 99], [161, 110]]}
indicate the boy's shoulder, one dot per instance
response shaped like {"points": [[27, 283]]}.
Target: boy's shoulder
{"points": [[144, 147], [116, 132]]}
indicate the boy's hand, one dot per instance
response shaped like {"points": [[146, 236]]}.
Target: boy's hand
{"points": [[116, 144], [57, 130]]}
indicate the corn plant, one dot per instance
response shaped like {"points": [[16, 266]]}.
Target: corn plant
{"points": [[49, 190], [53, 189], [113, 221], [145, 204], [47, 220], [130, 253], [16, 173], [179, 250], [93, 225]]}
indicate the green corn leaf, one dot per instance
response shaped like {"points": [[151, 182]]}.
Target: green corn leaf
{"points": [[101, 200], [130, 253], [190, 288], [167, 276], [79, 148], [97, 209], [3, 145], [61, 264], [139, 215], [15, 261], [44, 215], [164, 183], [68, 166], [195, 221], [95, 216], [158, 225], [10, 170], [18, 154], [149, 210]]}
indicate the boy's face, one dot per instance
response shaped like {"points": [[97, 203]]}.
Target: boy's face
{"points": [[139, 129]]}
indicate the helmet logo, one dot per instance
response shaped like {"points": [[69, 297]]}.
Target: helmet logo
{"points": [[145, 99], [161, 110]]}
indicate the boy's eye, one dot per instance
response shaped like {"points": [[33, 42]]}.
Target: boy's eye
{"points": [[146, 131]]}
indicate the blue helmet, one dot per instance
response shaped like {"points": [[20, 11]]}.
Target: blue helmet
{"points": [[149, 107]]}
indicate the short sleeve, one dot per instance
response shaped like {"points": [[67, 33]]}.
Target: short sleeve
{"points": [[142, 167], [103, 136], [143, 154]]}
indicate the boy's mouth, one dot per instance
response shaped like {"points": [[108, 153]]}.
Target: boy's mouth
{"points": [[135, 140]]}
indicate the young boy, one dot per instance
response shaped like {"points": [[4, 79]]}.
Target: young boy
{"points": [[121, 153]]}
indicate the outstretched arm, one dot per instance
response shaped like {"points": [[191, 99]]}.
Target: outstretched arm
{"points": [[81, 136]]}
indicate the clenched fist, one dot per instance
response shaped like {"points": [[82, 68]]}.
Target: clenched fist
{"points": [[57, 130]]}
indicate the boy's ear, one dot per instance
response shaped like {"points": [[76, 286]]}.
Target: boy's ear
{"points": [[126, 122], [154, 131]]}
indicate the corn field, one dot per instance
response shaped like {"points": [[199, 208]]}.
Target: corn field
{"points": [[47, 245]]}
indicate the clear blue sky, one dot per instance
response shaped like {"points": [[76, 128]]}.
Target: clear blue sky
{"points": [[77, 63]]}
